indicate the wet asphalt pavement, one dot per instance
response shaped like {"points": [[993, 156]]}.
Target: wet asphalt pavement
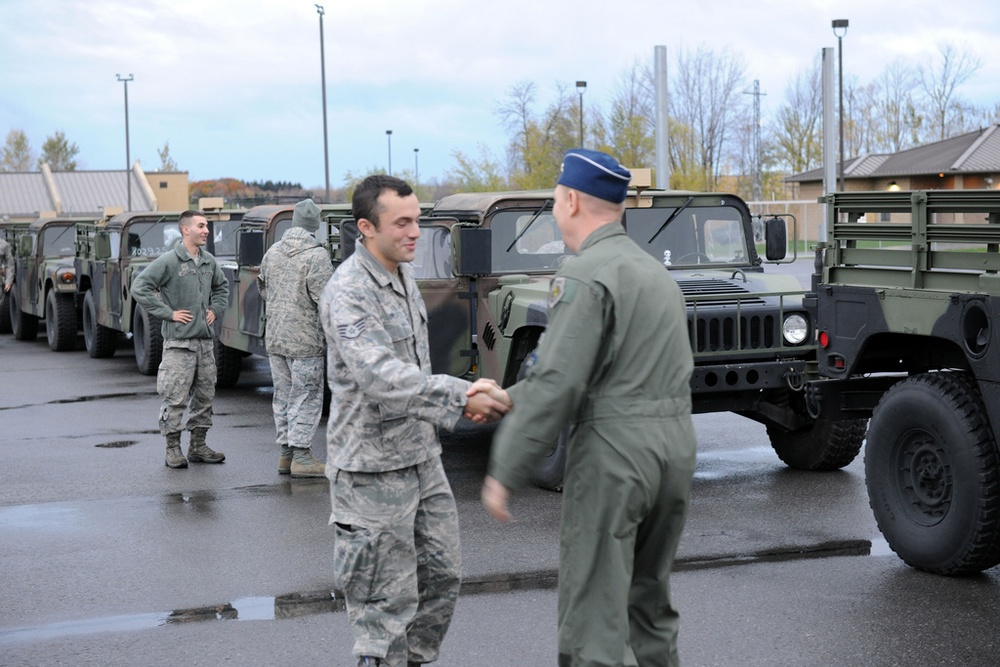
{"points": [[109, 558]]}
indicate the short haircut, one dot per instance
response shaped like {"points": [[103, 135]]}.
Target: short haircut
{"points": [[364, 203], [185, 218]]}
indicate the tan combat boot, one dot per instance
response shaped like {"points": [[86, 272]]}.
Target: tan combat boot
{"points": [[285, 460], [199, 452], [304, 465], [175, 457]]}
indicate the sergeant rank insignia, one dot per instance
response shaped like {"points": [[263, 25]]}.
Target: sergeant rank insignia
{"points": [[352, 330]]}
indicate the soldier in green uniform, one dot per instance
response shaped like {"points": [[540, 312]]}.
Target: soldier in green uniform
{"points": [[615, 366]]}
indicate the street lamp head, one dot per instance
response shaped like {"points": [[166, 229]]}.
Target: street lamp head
{"points": [[841, 26], [388, 131], [320, 10], [581, 86]]}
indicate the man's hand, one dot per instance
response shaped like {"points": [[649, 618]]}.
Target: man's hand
{"points": [[210, 317], [495, 497], [182, 316], [487, 402]]}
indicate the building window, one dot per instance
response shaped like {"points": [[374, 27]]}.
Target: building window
{"points": [[163, 185]]}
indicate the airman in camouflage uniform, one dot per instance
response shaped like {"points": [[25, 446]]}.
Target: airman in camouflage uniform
{"points": [[615, 365], [292, 276], [7, 264], [186, 289], [396, 557]]}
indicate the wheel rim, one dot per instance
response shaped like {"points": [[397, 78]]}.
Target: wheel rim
{"points": [[924, 477], [50, 322]]}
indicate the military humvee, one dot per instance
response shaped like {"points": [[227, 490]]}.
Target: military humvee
{"points": [[45, 282], [110, 255], [485, 271], [906, 294]]}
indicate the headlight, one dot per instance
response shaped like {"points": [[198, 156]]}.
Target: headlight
{"points": [[795, 328]]}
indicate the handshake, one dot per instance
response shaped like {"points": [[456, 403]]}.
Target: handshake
{"points": [[487, 403]]}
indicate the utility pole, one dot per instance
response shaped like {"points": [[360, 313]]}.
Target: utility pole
{"points": [[128, 156], [322, 70], [757, 190]]}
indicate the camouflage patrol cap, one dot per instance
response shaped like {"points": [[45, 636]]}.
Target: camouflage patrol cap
{"points": [[596, 174], [306, 215]]}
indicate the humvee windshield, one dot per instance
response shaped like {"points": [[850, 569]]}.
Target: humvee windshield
{"points": [[540, 248], [432, 258], [224, 235], [698, 235], [150, 239], [59, 240]]}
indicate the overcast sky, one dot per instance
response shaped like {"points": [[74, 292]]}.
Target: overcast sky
{"points": [[234, 86]]}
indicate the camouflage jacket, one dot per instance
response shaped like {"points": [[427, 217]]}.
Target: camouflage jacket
{"points": [[183, 284], [386, 403], [292, 276], [7, 263]]}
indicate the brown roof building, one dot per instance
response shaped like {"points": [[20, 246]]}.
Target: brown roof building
{"points": [[966, 162]]}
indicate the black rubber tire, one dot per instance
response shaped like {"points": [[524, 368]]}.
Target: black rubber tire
{"points": [[5, 324], [25, 325], [228, 365], [823, 445], [60, 321], [147, 340], [99, 340], [933, 474], [550, 472]]}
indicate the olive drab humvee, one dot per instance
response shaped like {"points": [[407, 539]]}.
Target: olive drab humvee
{"points": [[45, 283], [109, 255], [8, 232], [907, 291], [485, 266]]}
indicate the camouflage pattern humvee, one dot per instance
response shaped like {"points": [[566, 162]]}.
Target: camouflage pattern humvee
{"points": [[109, 256], [907, 293], [45, 282]]}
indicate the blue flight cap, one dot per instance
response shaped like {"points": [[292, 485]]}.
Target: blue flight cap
{"points": [[596, 174]]}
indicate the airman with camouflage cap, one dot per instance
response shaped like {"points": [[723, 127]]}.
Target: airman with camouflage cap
{"points": [[392, 506], [292, 276]]}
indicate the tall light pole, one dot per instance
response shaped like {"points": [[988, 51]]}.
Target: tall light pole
{"points": [[581, 87], [322, 71], [128, 156], [840, 29], [388, 138], [416, 166]]}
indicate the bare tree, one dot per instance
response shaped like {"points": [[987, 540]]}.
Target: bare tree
{"points": [[166, 162], [797, 129], [705, 99], [894, 109], [939, 84], [629, 127]]}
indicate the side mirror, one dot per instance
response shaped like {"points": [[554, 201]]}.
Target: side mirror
{"points": [[471, 251], [775, 239], [250, 247]]}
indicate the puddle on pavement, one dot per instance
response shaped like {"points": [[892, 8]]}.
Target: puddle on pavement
{"points": [[117, 444], [292, 605]]}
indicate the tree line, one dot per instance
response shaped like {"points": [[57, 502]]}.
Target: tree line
{"points": [[712, 126]]}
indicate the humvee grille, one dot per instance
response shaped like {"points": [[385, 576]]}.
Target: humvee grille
{"points": [[718, 333], [715, 287]]}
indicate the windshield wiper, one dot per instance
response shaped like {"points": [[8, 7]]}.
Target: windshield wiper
{"points": [[670, 218], [538, 213]]}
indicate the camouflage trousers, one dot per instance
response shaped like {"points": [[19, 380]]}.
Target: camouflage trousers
{"points": [[298, 398], [186, 379], [397, 559]]}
